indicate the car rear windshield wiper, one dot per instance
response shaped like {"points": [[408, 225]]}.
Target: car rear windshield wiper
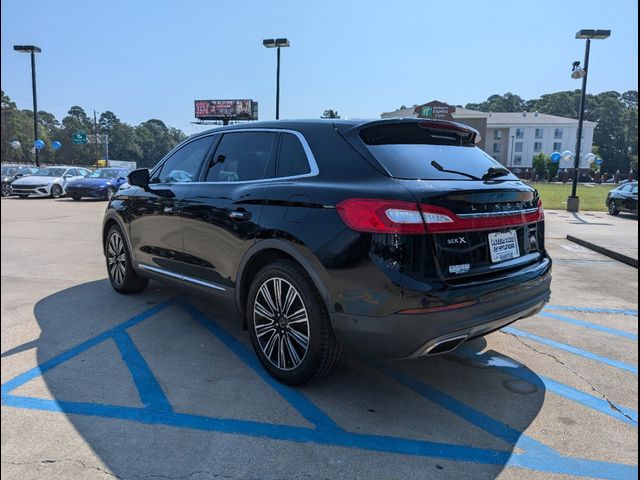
{"points": [[437, 166], [495, 172]]}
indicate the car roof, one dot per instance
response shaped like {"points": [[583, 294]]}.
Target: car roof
{"points": [[341, 124]]}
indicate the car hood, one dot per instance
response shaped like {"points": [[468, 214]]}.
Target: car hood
{"points": [[91, 182], [33, 180]]}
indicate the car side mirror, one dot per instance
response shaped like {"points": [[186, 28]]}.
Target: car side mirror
{"points": [[18, 175], [139, 178]]}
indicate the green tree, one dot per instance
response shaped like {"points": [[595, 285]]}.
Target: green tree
{"points": [[330, 114], [500, 103]]}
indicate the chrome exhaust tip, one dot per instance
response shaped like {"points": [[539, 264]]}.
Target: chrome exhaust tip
{"points": [[445, 345]]}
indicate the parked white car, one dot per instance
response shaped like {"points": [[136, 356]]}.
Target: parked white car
{"points": [[47, 182]]}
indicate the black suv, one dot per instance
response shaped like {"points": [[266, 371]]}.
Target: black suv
{"points": [[398, 238]]}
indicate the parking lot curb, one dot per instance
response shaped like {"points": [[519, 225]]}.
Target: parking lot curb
{"points": [[620, 257]]}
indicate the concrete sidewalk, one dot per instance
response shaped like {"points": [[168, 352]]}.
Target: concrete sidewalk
{"points": [[616, 237]]}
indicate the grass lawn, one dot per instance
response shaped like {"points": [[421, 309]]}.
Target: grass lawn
{"points": [[592, 197]]}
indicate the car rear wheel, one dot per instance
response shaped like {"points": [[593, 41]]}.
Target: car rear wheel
{"points": [[122, 276], [76, 197], [289, 325], [56, 191], [613, 208]]}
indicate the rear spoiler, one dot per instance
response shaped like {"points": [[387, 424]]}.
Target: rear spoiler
{"points": [[472, 135]]}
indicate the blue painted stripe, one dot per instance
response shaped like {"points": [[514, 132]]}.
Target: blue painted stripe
{"points": [[69, 354], [302, 404], [545, 463], [620, 311], [521, 372], [150, 391], [593, 326], [475, 417], [571, 349]]}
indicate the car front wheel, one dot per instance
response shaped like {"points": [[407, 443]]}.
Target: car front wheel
{"points": [[6, 189], [122, 276], [56, 191], [289, 325], [613, 208], [110, 193]]}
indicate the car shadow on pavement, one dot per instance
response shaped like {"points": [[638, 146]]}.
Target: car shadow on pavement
{"points": [[400, 417]]}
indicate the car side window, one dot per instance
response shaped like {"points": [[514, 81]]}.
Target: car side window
{"points": [[625, 188], [82, 171], [184, 164], [634, 189], [243, 156], [292, 159], [72, 172]]}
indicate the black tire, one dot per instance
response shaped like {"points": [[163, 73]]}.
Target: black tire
{"points": [[613, 208], [76, 197], [23, 196], [122, 276], [6, 190], [110, 192], [323, 352], [56, 191]]}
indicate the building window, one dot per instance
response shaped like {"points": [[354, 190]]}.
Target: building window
{"points": [[557, 146], [539, 132], [537, 147], [517, 160], [519, 132], [496, 148], [557, 133], [518, 146], [497, 134]]}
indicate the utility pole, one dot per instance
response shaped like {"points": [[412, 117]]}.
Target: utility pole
{"points": [[95, 133]]}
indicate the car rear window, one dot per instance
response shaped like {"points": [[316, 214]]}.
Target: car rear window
{"points": [[407, 150]]}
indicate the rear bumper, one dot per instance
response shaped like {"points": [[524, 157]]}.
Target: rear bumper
{"points": [[413, 335]]}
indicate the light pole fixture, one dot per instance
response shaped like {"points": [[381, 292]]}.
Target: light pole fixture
{"points": [[32, 49], [277, 43], [573, 202]]}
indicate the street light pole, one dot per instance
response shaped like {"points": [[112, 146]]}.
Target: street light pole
{"points": [[583, 95], [32, 49], [278, 85], [573, 202], [277, 43]]}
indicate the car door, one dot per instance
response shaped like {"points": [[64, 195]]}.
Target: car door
{"points": [[155, 225], [631, 198], [222, 212]]}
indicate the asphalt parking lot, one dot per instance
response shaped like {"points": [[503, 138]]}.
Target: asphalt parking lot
{"points": [[164, 384]]}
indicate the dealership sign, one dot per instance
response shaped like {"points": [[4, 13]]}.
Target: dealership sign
{"points": [[226, 109]]}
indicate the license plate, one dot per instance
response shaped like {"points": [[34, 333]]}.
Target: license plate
{"points": [[503, 246]]}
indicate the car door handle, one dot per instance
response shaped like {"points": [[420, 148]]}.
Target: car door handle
{"points": [[240, 215]]}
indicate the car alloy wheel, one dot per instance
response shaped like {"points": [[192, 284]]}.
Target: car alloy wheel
{"points": [[111, 192], [281, 323], [56, 191], [116, 259], [6, 190], [613, 209]]}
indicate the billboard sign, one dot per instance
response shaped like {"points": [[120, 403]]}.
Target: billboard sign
{"points": [[226, 109]]}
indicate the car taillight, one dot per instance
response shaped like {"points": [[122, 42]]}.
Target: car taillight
{"points": [[381, 216], [394, 216]]}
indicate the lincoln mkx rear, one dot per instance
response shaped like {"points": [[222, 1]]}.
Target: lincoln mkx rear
{"points": [[398, 238]]}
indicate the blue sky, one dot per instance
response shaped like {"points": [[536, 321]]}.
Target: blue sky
{"points": [[151, 59]]}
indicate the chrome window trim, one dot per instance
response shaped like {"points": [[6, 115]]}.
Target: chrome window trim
{"points": [[498, 214], [178, 276], [311, 159]]}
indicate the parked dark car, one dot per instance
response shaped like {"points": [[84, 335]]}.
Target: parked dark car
{"points": [[102, 183], [11, 173], [623, 199], [398, 238]]}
